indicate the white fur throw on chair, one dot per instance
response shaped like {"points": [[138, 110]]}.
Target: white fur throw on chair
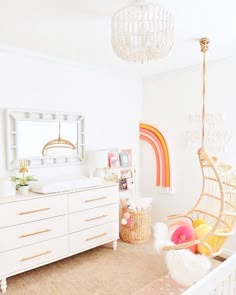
{"points": [[185, 267]]}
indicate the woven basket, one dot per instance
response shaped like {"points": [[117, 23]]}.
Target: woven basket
{"points": [[139, 231]]}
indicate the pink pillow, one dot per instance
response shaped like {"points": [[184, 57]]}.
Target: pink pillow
{"points": [[183, 234], [173, 226]]}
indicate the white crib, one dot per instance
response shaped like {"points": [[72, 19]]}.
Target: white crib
{"points": [[220, 281]]}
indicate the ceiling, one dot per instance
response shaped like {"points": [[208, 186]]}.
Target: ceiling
{"points": [[79, 30]]}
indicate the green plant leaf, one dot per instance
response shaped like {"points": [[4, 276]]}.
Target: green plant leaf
{"points": [[22, 181]]}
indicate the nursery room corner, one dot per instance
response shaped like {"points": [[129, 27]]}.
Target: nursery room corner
{"points": [[118, 150]]}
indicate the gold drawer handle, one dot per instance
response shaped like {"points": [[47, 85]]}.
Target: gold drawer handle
{"points": [[33, 211], [94, 218], [91, 200], [35, 255], [34, 233], [95, 237]]}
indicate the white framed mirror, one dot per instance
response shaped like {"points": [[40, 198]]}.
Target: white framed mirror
{"points": [[27, 131]]}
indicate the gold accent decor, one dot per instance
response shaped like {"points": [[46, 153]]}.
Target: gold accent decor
{"points": [[33, 211], [23, 166], [96, 199], [34, 233], [35, 255], [94, 218], [60, 143], [95, 237]]}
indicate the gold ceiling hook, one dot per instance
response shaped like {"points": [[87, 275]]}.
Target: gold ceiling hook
{"points": [[204, 44]]}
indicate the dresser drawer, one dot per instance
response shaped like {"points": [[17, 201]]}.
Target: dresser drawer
{"points": [[93, 217], [31, 210], [26, 234], [93, 237], [31, 256], [93, 198]]}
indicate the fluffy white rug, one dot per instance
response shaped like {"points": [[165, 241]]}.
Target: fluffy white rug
{"points": [[185, 267]]}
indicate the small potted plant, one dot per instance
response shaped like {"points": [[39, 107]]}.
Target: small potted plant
{"points": [[22, 183]]}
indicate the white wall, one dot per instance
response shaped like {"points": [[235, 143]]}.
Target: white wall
{"points": [[169, 99], [110, 101]]}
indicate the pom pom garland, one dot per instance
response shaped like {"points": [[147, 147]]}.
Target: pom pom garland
{"points": [[124, 221], [126, 215]]}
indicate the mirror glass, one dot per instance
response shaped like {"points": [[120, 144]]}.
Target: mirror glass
{"points": [[40, 133], [29, 131]]}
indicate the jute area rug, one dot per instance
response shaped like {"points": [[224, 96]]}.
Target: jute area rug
{"points": [[99, 271]]}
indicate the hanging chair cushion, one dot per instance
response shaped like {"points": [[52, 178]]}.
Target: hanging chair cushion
{"points": [[202, 230], [197, 222], [183, 234], [173, 226]]}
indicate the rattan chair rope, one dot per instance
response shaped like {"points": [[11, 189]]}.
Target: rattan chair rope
{"points": [[217, 202]]}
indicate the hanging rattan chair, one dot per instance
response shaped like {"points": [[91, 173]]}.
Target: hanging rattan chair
{"points": [[216, 205]]}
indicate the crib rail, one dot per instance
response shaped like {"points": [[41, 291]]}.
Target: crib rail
{"points": [[220, 281]]}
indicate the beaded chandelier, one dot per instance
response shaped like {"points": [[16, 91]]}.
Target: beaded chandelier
{"points": [[142, 32]]}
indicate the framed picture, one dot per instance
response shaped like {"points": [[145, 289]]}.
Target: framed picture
{"points": [[124, 159], [129, 151], [114, 160]]}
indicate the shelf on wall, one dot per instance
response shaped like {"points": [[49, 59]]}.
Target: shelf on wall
{"points": [[125, 176]]}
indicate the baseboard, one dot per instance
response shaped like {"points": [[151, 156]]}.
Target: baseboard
{"points": [[226, 253]]}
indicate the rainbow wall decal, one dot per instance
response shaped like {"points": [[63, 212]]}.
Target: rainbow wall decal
{"points": [[158, 143]]}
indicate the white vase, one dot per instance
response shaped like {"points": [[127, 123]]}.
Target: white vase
{"points": [[23, 189]]}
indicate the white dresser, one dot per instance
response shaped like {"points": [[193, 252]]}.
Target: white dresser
{"points": [[38, 229]]}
